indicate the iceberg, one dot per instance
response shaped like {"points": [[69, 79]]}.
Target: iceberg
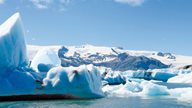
{"points": [[182, 78], [80, 82], [143, 88], [162, 76], [113, 78], [19, 82], [152, 75], [12, 45], [151, 89], [13, 59], [45, 58], [183, 95], [186, 97]]}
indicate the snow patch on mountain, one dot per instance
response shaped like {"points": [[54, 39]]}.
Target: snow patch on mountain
{"points": [[100, 54]]}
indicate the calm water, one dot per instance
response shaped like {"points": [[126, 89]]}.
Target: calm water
{"points": [[131, 102]]}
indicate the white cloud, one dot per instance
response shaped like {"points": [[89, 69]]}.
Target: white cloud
{"points": [[63, 4], [42, 4], [2, 1], [45, 4], [131, 2]]}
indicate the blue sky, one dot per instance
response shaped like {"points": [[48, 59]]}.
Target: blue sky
{"points": [[157, 25]]}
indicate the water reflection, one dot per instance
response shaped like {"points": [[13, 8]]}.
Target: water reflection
{"points": [[109, 102]]}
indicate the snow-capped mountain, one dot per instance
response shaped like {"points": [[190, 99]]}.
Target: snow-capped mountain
{"points": [[113, 57]]}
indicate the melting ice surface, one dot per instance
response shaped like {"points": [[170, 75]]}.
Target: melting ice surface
{"points": [[47, 77]]}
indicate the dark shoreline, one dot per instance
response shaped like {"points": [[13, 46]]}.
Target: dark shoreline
{"points": [[37, 97]]}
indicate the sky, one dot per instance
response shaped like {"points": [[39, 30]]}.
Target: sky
{"points": [[153, 25]]}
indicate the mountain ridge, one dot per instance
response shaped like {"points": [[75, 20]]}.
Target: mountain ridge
{"points": [[103, 56]]}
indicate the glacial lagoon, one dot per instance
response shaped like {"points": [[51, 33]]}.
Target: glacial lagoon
{"points": [[108, 102]]}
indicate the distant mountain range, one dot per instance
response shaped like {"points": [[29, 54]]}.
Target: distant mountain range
{"points": [[115, 58]]}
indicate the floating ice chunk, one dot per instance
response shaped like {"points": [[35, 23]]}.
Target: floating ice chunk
{"points": [[12, 45], [182, 78], [183, 95], [80, 82], [140, 75], [145, 88], [47, 57], [113, 78], [186, 97], [150, 75], [162, 76], [110, 89], [129, 89], [151, 89]]}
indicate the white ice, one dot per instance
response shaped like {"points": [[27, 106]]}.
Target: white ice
{"points": [[181, 78], [45, 56], [149, 89], [12, 45], [81, 82]]}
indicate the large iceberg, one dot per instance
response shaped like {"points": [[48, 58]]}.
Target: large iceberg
{"points": [[22, 82], [79, 82], [13, 77], [12, 45]]}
